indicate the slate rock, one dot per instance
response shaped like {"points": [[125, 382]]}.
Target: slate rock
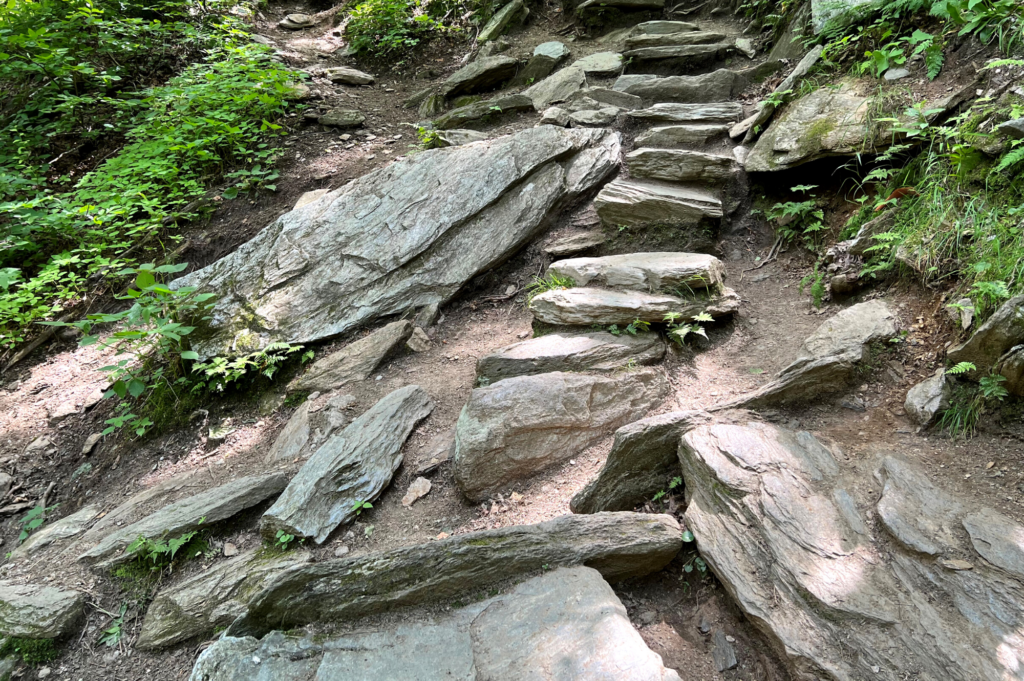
{"points": [[65, 528], [671, 136], [310, 197], [558, 87], [661, 27], [354, 362], [500, 21], [431, 106], [714, 112], [671, 39], [293, 438], [618, 545], [722, 652], [419, 341], [594, 119], [997, 539], [347, 76], [516, 427], [296, 22], [680, 165], [721, 85], [596, 351], [454, 138], [626, 81], [1013, 129], [643, 460], [600, 64], [309, 276], [554, 116], [181, 517], [37, 612], [352, 466], [545, 58], [605, 97], [766, 109], [822, 11], [471, 113], [574, 243], [636, 203], [342, 118], [214, 597], [653, 272], [1000, 332], [1011, 367], [676, 58], [482, 74], [587, 306], [928, 399]]}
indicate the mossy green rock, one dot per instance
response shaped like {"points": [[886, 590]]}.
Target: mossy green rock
{"points": [[35, 611]]}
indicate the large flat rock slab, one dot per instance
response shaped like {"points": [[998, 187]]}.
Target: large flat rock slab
{"points": [[721, 85], [482, 74], [558, 87], [935, 587], [636, 203], [65, 528], [398, 239], [597, 351], [517, 427], [671, 136], [354, 362], [678, 58], [476, 112], [635, 42], [352, 466], [564, 625], [618, 545], [587, 306], [37, 612], [680, 165], [658, 271], [720, 112]]}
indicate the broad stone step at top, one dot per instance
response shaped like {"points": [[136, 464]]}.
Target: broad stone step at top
{"points": [[667, 271], [673, 39], [621, 4], [668, 136], [723, 112], [660, 27], [634, 203], [680, 56], [721, 85], [680, 165], [587, 306]]}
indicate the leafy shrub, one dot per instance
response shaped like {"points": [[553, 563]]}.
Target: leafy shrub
{"points": [[158, 554], [798, 219], [679, 331]]}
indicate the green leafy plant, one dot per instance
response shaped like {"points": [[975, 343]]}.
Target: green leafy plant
{"points": [[679, 331], [284, 541], [111, 636], [32, 651], [696, 562], [549, 282], [961, 368], [219, 373], [361, 506], [633, 328], [992, 387], [158, 554], [816, 283], [32, 521], [798, 220]]}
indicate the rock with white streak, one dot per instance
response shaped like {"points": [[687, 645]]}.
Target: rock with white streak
{"points": [[587, 306], [652, 272]]}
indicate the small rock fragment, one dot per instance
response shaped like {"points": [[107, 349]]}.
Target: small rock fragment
{"points": [[91, 442], [230, 550], [723, 653], [418, 341], [418, 489]]}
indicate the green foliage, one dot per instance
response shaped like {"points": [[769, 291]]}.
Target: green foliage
{"points": [[801, 220], [696, 562], [679, 331], [388, 28], [633, 328], [111, 636], [816, 281], [284, 541], [361, 506], [961, 368], [992, 387], [961, 419], [549, 282], [32, 521], [32, 651], [158, 554], [220, 372]]}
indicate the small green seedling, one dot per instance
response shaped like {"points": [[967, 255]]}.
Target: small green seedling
{"points": [[361, 506], [32, 521]]}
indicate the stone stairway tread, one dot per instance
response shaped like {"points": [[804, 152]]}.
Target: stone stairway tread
{"points": [[721, 85], [661, 27], [689, 55], [658, 271], [640, 202], [674, 39], [669, 136], [587, 306], [716, 112], [680, 165]]}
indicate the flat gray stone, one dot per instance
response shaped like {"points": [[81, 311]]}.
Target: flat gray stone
{"points": [[296, 22], [551, 49], [670, 136], [65, 528], [718, 86], [896, 74], [928, 399], [1013, 129], [477, 111], [311, 274], [1000, 332], [601, 64], [680, 165], [574, 243], [482, 74], [643, 460], [919, 515], [513, 429], [310, 197], [500, 21], [608, 97], [997, 539], [294, 437], [594, 119], [354, 362], [347, 76], [587, 306], [545, 58], [35, 611], [618, 545], [721, 112], [661, 27], [624, 82], [597, 351], [642, 40], [454, 138], [342, 118], [651, 272], [723, 654], [679, 57], [636, 203], [1011, 367], [354, 465], [181, 517], [214, 597], [557, 87], [554, 116]]}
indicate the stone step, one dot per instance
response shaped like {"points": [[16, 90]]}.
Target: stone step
{"points": [[722, 85], [666, 271], [680, 165], [679, 135], [587, 306], [673, 39], [638, 202], [674, 58], [719, 112], [663, 27]]}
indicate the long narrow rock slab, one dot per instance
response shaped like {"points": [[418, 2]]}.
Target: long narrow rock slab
{"points": [[586, 306], [635, 203], [670, 136], [718, 86], [672, 39], [680, 165], [659, 271], [720, 112], [618, 545], [354, 362], [678, 58], [351, 467]]}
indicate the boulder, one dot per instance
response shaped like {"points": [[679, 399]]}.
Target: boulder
{"points": [[718, 86], [680, 165], [545, 58], [600, 64], [500, 21], [594, 119], [354, 362], [1011, 367], [214, 597], [670, 136], [296, 22], [482, 74], [554, 116], [630, 5], [516, 427], [618, 545], [588, 306], [597, 351], [471, 113], [664, 272], [828, 358], [1013, 129], [342, 118], [347, 76], [928, 399], [311, 275], [567, 620], [715, 112], [766, 109], [1000, 332], [574, 243], [557, 87], [35, 611], [643, 460], [636, 203], [65, 528], [419, 341], [353, 466], [181, 517], [635, 42]]}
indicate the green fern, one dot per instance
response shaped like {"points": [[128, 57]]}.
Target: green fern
{"points": [[961, 368], [1011, 159], [933, 59]]}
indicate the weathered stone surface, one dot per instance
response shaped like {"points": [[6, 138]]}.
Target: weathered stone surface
{"points": [[607, 97], [463, 115], [600, 351], [567, 622], [462, 210], [594, 119], [661, 27], [431, 106], [213, 598], [680, 165], [618, 545], [310, 197], [1000, 332], [928, 399], [574, 243], [766, 109], [624, 82], [352, 466], [293, 437], [600, 64], [355, 361], [209, 507], [718, 86], [678, 57], [480, 75], [554, 116], [545, 58], [636, 42], [557, 87], [824, 10], [419, 341], [69, 526], [296, 22], [997, 539], [669, 136], [342, 118], [642, 461], [514, 428], [1013, 129], [636, 202], [664, 271], [723, 654], [552, 50], [586, 306], [746, 47], [1011, 367], [500, 21], [35, 611], [453, 138], [828, 358], [347, 76], [621, 4], [721, 112]]}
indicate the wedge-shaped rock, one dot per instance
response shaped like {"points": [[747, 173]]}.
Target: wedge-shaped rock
{"points": [[782, 527], [36, 611], [517, 427], [1011, 367], [642, 462], [347, 76], [718, 86], [618, 545], [635, 203], [213, 598], [661, 27], [671, 39], [558, 87], [665, 271], [472, 113], [828, 358], [65, 528], [353, 466], [680, 165], [586, 306], [928, 399], [207, 508], [624, 82], [680, 135], [603, 96], [479, 75], [574, 243], [567, 620], [546, 57], [600, 64], [600, 351], [401, 238], [722, 112], [676, 58], [1000, 332], [354, 362], [500, 21]]}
